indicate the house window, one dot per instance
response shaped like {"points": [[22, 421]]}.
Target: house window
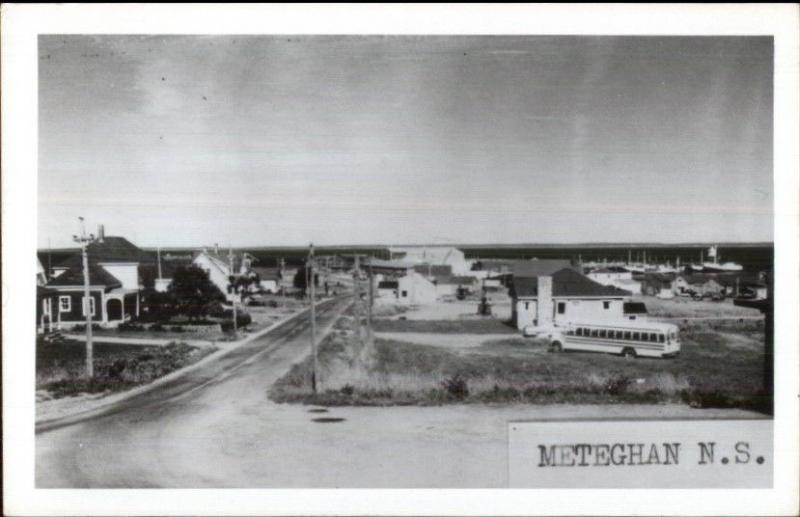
{"points": [[64, 303], [606, 305], [405, 294], [91, 305], [526, 306], [562, 307]]}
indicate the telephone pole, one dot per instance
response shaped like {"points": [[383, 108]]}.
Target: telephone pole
{"points": [[310, 272], [370, 299], [233, 296], [83, 240]]}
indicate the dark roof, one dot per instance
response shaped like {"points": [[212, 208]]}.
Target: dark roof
{"points": [[111, 249], [566, 282], [698, 279], [268, 273], [74, 277], [538, 267], [436, 270], [42, 291], [455, 280]]}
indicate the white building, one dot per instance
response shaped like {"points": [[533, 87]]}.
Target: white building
{"points": [[409, 289], [564, 296], [434, 255], [218, 266]]}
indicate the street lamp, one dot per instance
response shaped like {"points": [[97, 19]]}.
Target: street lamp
{"points": [[83, 240]]}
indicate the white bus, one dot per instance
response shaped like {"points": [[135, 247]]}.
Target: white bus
{"points": [[627, 338]]}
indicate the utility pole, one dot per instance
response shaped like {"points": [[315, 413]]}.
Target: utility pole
{"points": [[158, 254], [310, 270], [357, 295], [233, 297], [84, 242], [371, 299]]}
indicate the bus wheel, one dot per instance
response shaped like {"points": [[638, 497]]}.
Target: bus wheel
{"points": [[555, 347], [629, 353]]}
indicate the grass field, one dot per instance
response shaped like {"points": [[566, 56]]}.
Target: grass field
{"points": [[720, 365], [471, 326], [60, 366]]}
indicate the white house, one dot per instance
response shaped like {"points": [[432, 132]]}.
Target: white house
{"points": [[564, 296], [409, 289], [218, 266], [616, 276]]}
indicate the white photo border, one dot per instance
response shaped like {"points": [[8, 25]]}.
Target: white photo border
{"points": [[21, 24]]}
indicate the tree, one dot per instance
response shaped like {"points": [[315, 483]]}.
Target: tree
{"points": [[193, 291], [300, 277]]}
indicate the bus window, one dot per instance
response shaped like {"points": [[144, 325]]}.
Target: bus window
{"points": [[653, 337], [661, 338], [618, 334], [627, 335], [579, 331], [636, 336], [601, 333], [594, 332]]}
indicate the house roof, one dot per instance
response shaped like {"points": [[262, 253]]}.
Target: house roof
{"points": [[455, 280], [268, 273], [110, 249], [74, 277], [223, 260], [539, 267], [566, 283], [698, 279]]}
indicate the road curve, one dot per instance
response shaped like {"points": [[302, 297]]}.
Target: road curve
{"points": [[106, 450]]}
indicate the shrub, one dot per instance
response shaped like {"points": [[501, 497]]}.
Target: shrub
{"points": [[80, 327], [126, 326], [176, 328], [456, 387], [617, 385]]}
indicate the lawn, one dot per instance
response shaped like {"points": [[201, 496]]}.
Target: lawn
{"points": [[720, 366], [465, 326], [60, 366]]}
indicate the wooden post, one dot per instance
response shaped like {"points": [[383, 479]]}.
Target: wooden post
{"points": [[310, 269]]}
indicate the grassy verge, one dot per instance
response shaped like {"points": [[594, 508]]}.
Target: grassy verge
{"points": [[476, 326], [717, 368], [60, 366]]}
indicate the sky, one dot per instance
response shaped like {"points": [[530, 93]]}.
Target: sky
{"points": [[286, 140]]}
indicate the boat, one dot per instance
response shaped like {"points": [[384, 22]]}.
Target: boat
{"points": [[719, 267]]}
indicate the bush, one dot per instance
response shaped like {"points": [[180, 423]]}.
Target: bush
{"points": [[157, 327], [126, 326], [456, 387], [80, 327], [617, 385], [176, 328]]}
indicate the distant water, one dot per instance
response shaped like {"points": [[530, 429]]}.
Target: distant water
{"points": [[752, 258]]}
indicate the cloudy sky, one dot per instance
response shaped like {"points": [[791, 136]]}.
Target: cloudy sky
{"points": [[186, 141]]}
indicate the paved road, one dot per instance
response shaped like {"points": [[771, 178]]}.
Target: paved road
{"points": [[216, 428], [106, 450]]}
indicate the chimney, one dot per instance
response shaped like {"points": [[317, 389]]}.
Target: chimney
{"points": [[544, 298], [101, 232]]}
